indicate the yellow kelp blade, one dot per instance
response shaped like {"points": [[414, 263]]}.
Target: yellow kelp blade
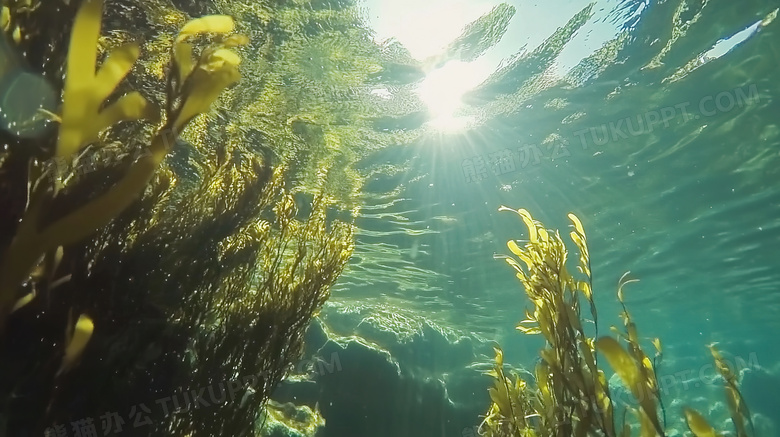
{"points": [[737, 406], [85, 89], [5, 20], [500, 396], [208, 24], [657, 344], [721, 365], [587, 354], [530, 330], [206, 89], [586, 290], [182, 58], [529, 223], [514, 264], [633, 336], [734, 402], [131, 106], [116, 66], [514, 248], [235, 41], [628, 371], [84, 40], [698, 424], [27, 298], [574, 318], [499, 393], [577, 224], [542, 373], [82, 332], [79, 77], [219, 58], [604, 402], [499, 356], [543, 235], [578, 241], [649, 372]]}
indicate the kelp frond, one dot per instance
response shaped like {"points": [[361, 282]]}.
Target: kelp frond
{"points": [[572, 396], [737, 405], [512, 402], [87, 88]]}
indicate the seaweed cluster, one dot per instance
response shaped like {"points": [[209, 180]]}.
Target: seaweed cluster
{"points": [[162, 284], [192, 87], [571, 396]]}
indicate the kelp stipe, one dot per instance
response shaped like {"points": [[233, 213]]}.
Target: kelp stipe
{"points": [[572, 396], [192, 87]]}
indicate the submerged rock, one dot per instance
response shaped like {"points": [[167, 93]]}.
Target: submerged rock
{"points": [[370, 382]]}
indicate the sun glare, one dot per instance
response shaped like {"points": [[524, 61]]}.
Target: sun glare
{"points": [[442, 91]]}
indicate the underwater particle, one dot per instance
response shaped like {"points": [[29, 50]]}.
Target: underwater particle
{"points": [[23, 94]]}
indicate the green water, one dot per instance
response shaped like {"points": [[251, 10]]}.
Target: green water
{"points": [[655, 122], [668, 154], [673, 175]]}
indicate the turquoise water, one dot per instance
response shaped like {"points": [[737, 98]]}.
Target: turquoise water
{"points": [[666, 148]]}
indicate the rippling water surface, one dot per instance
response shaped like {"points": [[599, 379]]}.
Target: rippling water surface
{"points": [[665, 142]]}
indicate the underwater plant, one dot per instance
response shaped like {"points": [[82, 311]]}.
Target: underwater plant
{"points": [[571, 396], [192, 87], [169, 276]]}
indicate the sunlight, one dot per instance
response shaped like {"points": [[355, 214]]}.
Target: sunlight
{"points": [[725, 45], [424, 28], [442, 91]]}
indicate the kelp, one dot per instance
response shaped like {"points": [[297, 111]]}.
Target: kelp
{"points": [[318, 71], [139, 284], [571, 396], [82, 119], [737, 405], [512, 407]]}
